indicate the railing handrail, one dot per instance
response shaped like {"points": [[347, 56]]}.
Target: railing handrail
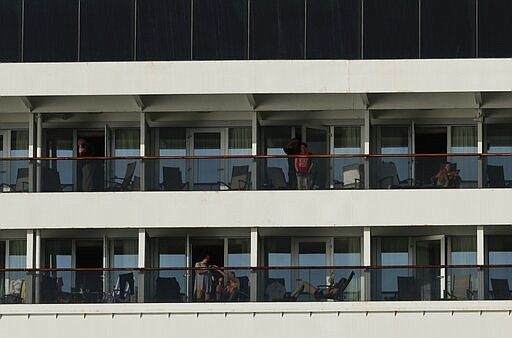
{"points": [[264, 268], [190, 157]]}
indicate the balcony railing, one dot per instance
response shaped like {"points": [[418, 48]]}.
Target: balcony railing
{"points": [[260, 172], [244, 284]]}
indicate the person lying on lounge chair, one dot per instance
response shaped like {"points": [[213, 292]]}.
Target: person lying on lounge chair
{"points": [[330, 292]]}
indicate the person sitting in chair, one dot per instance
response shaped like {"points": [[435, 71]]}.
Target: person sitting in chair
{"points": [[330, 292], [232, 287]]}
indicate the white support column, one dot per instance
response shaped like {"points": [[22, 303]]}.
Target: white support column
{"points": [[39, 148], [480, 149], [365, 275], [480, 260], [30, 281], [142, 150], [254, 263], [141, 264], [31, 147], [366, 149], [37, 265], [254, 149]]}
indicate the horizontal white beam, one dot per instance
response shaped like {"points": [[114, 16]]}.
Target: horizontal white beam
{"points": [[256, 77], [331, 208]]}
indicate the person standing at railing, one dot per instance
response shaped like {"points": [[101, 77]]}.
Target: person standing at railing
{"points": [[203, 279], [303, 166], [292, 147], [86, 168]]}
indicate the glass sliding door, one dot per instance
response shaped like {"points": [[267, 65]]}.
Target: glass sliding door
{"points": [[390, 251], [207, 172], [498, 171], [19, 148], [387, 171], [170, 254], [347, 140], [347, 252], [126, 143], [239, 143], [428, 252], [312, 253], [59, 143], [171, 142], [318, 143], [463, 140]]}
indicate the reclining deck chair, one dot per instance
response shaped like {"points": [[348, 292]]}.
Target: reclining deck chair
{"points": [[167, 290], [275, 178], [461, 288], [407, 288], [125, 286], [500, 288], [172, 179], [123, 183], [240, 178]]}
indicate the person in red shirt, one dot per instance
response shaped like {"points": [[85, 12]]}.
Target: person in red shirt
{"points": [[303, 166]]}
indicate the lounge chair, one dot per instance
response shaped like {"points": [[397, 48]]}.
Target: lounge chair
{"points": [[460, 288], [276, 178], [407, 288], [124, 287], [167, 290], [123, 183], [352, 175], [500, 288], [496, 176], [239, 179], [275, 289], [172, 179]]}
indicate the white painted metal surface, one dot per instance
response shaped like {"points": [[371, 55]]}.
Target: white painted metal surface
{"points": [[256, 77], [332, 208], [386, 319]]}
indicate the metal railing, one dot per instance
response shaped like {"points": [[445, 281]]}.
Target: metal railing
{"points": [[259, 172], [260, 283]]}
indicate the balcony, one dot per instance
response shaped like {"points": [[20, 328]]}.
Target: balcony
{"points": [[257, 284], [259, 172]]}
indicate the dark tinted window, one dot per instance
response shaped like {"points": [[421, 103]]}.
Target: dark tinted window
{"points": [[391, 29], [447, 28], [495, 28], [163, 29], [51, 30], [333, 29], [277, 29], [220, 29], [10, 30], [106, 30]]}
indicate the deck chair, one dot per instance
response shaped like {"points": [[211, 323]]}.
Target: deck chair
{"points": [[172, 179], [50, 181], [337, 290], [124, 287], [495, 176], [352, 175], [21, 180], [123, 183], [275, 178], [245, 289], [460, 288], [275, 289], [500, 288], [407, 288], [167, 290], [388, 176], [240, 179], [49, 291]]}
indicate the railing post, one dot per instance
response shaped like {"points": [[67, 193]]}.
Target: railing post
{"points": [[480, 260], [254, 263], [365, 275], [141, 265]]}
